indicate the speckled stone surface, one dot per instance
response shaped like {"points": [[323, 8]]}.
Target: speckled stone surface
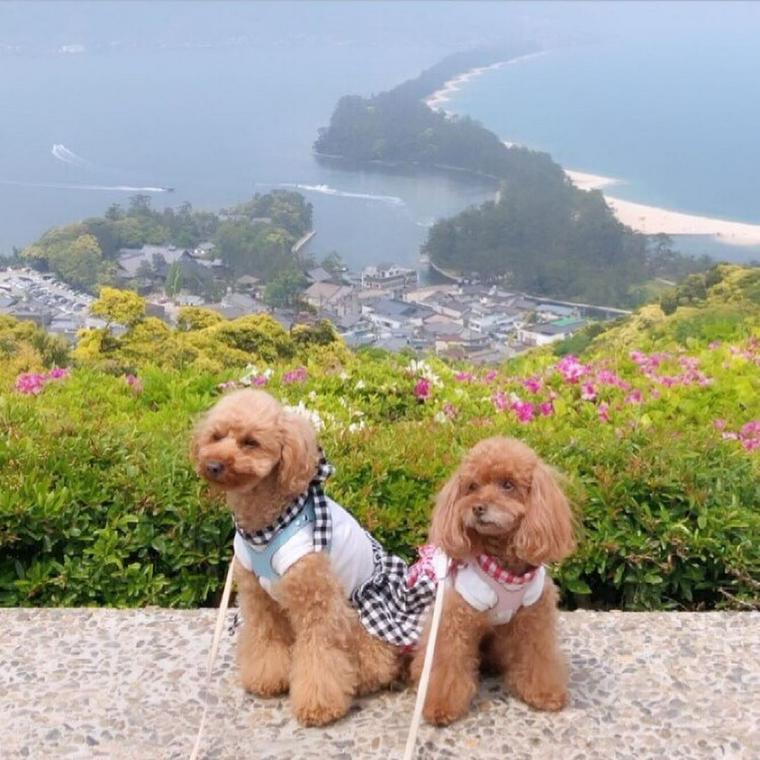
{"points": [[128, 684]]}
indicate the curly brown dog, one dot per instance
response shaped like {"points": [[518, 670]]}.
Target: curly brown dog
{"points": [[501, 516], [299, 632]]}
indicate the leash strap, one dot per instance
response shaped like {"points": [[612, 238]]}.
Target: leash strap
{"points": [[441, 566], [212, 656]]}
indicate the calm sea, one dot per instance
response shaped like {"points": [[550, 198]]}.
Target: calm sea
{"points": [[217, 124], [677, 120]]}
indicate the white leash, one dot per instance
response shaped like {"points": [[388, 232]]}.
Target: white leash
{"points": [[212, 656], [440, 566]]}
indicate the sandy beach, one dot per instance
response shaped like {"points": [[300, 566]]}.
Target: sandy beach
{"points": [[651, 220], [439, 97]]}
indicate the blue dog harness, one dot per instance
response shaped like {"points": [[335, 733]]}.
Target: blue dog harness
{"points": [[260, 560]]}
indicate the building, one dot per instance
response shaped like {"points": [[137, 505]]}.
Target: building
{"points": [[549, 332], [333, 297], [393, 314], [388, 277]]}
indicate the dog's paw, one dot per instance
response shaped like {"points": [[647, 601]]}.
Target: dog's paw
{"points": [[440, 711], [549, 700], [318, 704], [267, 675]]}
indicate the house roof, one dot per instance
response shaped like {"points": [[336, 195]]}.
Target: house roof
{"points": [[318, 274]]}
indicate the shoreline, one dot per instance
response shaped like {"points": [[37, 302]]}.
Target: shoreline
{"points": [[443, 94], [651, 220], [641, 217]]}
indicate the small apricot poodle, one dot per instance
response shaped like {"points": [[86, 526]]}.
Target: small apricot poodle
{"points": [[500, 517], [299, 631]]}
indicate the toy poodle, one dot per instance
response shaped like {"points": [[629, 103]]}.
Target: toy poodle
{"points": [[499, 518], [320, 598]]}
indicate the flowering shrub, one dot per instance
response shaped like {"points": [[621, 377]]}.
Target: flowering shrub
{"points": [[660, 442], [32, 383]]}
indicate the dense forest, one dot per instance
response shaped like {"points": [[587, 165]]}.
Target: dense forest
{"points": [[543, 235], [255, 237]]}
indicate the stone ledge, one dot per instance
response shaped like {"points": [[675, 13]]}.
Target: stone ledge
{"points": [[127, 684]]}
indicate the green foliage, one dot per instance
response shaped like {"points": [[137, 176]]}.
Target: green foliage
{"points": [[121, 306], [99, 505], [284, 288]]}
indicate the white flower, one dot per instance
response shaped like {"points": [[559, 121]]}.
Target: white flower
{"points": [[344, 375], [359, 385], [312, 395], [313, 417], [356, 426], [423, 369], [440, 418]]}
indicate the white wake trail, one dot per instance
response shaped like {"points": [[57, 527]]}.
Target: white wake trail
{"points": [[65, 186], [394, 200], [62, 153]]}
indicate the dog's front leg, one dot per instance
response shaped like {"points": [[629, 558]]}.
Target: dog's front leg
{"points": [[323, 675], [264, 640], [534, 667], [454, 676]]}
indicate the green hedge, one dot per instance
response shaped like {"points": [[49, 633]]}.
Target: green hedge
{"points": [[99, 506]]}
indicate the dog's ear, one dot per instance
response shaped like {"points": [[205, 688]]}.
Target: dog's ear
{"points": [[546, 532], [447, 529], [198, 433], [300, 454]]}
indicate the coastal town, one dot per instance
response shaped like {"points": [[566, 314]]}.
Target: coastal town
{"points": [[384, 306]]}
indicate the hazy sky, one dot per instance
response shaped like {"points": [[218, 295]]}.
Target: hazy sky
{"points": [[45, 25]]}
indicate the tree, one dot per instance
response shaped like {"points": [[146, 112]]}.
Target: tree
{"points": [[144, 272], [173, 283], [196, 318], [284, 288], [333, 263], [79, 262], [123, 307]]}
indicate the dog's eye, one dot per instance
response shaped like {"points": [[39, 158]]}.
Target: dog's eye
{"points": [[508, 485], [250, 443], [472, 487], [216, 436]]}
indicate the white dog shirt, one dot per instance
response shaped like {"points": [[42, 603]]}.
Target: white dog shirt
{"points": [[350, 551]]}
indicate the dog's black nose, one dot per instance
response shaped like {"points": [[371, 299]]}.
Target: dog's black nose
{"points": [[479, 510], [214, 468]]}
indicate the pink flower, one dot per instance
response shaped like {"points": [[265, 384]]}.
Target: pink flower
{"points": [[490, 376], [606, 377], [500, 401], [571, 369], [634, 397], [58, 373], [450, 411], [751, 428], [422, 389], [588, 392], [298, 375], [604, 412], [524, 411], [719, 424], [134, 383], [546, 409], [228, 386], [260, 380], [713, 345], [533, 384], [30, 383], [463, 377]]}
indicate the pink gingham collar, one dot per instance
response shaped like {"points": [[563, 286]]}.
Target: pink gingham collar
{"points": [[490, 565]]}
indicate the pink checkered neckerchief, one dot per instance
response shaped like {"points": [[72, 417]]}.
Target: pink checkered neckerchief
{"points": [[491, 566]]}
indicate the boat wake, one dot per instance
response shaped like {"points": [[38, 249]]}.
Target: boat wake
{"points": [[62, 153], [393, 200], [105, 188]]}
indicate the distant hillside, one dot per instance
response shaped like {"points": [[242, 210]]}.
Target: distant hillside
{"points": [[255, 237], [543, 235]]}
